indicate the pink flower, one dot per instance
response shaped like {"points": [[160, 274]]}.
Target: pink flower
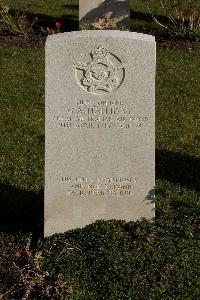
{"points": [[58, 24]]}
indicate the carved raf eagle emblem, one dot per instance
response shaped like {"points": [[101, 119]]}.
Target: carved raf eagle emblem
{"points": [[103, 74]]}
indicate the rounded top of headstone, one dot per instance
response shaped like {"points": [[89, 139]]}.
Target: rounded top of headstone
{"points": [[101, 33]]}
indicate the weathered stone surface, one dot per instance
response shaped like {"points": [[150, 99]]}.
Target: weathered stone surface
{"points": [[92, 11], [99, 152]]}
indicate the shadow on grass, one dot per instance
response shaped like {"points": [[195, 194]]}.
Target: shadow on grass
{"points": [[21, 210], [68, 22], [136, 15], [177, 168], [71, 6]]}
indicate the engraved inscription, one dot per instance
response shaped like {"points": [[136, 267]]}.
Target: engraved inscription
{"points": [[103, 74], [100, 114], [100, 186]]}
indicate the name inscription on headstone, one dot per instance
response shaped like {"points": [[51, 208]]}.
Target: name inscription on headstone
{"points": [[100, 114]]}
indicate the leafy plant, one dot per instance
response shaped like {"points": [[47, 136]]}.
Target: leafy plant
{"points": [[17, 24], [51, 31], [183, 16], [102, 24], [86, 26]]}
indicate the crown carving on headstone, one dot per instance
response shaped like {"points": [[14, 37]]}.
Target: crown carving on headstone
{"points": [[100, 53], [103, 73]]}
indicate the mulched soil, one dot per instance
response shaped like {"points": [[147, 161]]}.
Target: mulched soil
{"points": [[174, 43], [37, 40], [34, 41]]}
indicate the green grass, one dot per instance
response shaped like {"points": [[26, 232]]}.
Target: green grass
{"points": [[22, 118], [178, 106], [63, 7], [106, 260], [47, 7], [115, 260]]}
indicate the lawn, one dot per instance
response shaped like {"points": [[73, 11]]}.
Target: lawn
{"points": [[47, 7], [110, 260], [173, 241], [64, 7]]}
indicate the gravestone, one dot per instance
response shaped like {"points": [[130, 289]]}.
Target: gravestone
{"points": [[92, 11], [99, 136]]}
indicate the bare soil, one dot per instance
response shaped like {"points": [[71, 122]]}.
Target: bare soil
{"points": [[37, 40]]}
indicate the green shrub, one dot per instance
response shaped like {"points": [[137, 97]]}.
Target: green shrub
{"points": [[183, 17], [116, 260]]}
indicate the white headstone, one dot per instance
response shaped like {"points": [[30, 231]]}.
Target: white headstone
{"points": [[90, 11], [99, 152]]}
